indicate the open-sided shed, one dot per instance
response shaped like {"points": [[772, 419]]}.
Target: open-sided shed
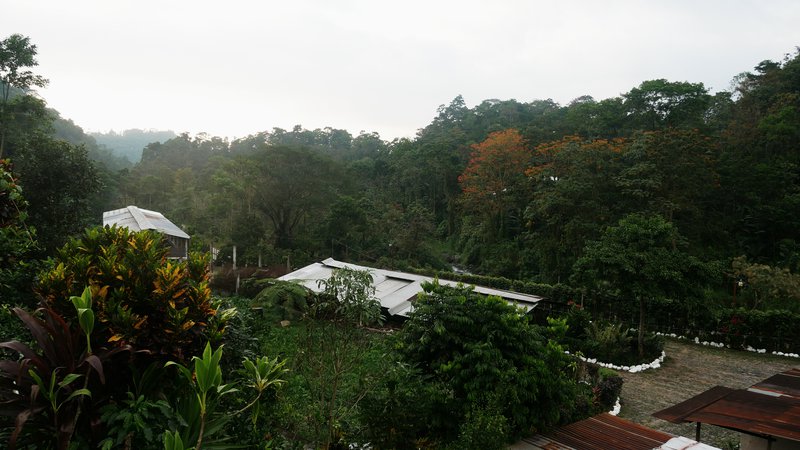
{"points": [[767, 414], [607, 432]]}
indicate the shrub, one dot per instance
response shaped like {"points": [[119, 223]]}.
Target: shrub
{"points": [[17, 243], [401, 412], [141, 297], [482, 346], [608, 389], [55, 387], [608, 342], [484, 427], [285, 300]]}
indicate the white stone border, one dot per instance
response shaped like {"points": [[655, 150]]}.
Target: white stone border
{"points": [[721, 345], [617, 407], [631, 369]]}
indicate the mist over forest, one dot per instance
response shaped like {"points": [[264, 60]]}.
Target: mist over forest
{"points": [[666, 207], [506, 188]]}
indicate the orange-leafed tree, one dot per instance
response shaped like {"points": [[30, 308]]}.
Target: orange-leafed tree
{"points": [[494, 183]]}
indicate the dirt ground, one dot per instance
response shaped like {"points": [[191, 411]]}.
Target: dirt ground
{"points": [[687, 371]]}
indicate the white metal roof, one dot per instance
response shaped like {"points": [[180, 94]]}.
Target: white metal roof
{"points": [[396, 290], [137, 219]]}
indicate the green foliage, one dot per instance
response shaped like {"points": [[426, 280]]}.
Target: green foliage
{"points": [[17, 242], [605, 341], [660, 103], [83, 306], [135, 422], [286, 300], [765, 284], [335, 353], [482, 347], [203, 418], [44, 392], [348, 296], [61, 183], [173, 441], [405, 410], [141, 298], [205, 382], [263, 374], [638, 259], [484, 427]]}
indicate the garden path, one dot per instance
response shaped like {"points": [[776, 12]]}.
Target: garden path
{"points": [[688, 370]]}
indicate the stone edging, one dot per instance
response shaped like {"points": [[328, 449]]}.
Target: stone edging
{"points": [[631, 369], [721, 345]]}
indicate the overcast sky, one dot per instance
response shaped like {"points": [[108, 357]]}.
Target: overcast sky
{"points": [[232, 68]]}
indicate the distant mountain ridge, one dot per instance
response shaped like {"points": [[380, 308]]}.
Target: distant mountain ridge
{"points": [[129, 143]]}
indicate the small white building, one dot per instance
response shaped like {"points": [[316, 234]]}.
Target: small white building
{"points": [[137, 219]]}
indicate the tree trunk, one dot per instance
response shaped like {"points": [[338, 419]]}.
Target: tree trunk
{"points": [[641, 327]]}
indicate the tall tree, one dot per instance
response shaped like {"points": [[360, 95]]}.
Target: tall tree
{"points": [[494, 183], [637, 260], [574, 197], [760, 164], [17, 54], [657, 104], [673, 173], [60, 183], [291, 186]]}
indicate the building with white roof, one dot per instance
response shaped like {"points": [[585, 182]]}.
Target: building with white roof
{"points": [[397, 290], [137, 219]]}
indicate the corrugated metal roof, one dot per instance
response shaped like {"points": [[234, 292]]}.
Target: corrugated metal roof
{"points": [[677, 413], [137, 219], [606, 432], [768, 408], [396, 290]]}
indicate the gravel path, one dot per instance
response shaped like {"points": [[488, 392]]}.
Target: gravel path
{"points": [[687, 371]]}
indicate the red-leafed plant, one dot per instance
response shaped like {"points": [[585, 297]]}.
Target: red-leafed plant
{"points": [[52, 388]]}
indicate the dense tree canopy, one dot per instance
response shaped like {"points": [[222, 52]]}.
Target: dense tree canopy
{"points": [[506, 187]]}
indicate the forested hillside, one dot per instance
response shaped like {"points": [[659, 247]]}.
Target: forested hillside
{"points": [[505, 188], [666, 208]]}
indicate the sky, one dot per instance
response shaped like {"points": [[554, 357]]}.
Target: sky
{"points": [[232, 68]]}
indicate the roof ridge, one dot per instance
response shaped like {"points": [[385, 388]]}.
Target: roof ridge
{"points": [[139, 217]]}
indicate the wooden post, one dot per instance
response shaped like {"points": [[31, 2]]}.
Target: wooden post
{"points": [[697, 433]]}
